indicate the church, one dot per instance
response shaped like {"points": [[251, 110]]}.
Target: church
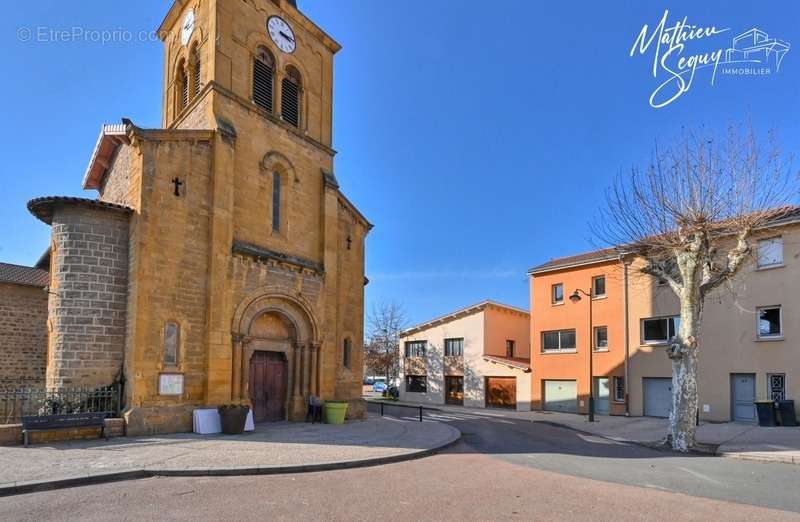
{"points": [[220, 261]]}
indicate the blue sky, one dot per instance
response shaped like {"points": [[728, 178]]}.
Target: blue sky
{"points": [[477, 136]]}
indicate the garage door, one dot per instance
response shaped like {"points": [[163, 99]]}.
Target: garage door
{"points": [[501, 392], [657, 396], [561, 396]]}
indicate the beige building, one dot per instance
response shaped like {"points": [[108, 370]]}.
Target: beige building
{"points": [[749, 338], [478, 356], [221, 261]]}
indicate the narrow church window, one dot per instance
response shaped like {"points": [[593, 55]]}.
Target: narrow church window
{"points": [[196, 58], [182, 87], [276, 202], [346, 348], [172, 334], [291, 89], [263, 67]]}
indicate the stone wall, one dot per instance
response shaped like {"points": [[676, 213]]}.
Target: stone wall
{"points": [[88, 306], [23, 335]]}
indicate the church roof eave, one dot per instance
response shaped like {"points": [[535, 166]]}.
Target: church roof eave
{"points": [[112, 135]]}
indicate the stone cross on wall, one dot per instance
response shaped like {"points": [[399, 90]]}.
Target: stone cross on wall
{"points": [[177, 182]]}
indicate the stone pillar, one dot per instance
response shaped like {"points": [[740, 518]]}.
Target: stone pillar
{"points": [[246, 355], [307, 370], [298, 354], [314, 358], [236, 377]]}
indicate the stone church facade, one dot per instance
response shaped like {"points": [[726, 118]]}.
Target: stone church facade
{"points": [[221, 262]]}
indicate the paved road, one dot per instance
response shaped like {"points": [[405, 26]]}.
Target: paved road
{"points": [[503, 468]]}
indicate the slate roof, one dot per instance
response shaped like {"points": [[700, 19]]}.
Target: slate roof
{"points": [[23, 275]]}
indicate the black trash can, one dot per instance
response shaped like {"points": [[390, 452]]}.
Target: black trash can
{"points": [[786, 409], [766, 413]]}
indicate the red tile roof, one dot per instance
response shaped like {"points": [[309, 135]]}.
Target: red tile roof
{"points": [[515, 362], [23, 275], [595, 256], [42, 208]]}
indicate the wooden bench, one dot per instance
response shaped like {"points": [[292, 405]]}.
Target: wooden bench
{"points": [[31, 423]]}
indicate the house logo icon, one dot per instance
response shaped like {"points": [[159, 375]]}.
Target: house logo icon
{"points": [[756, 47]]}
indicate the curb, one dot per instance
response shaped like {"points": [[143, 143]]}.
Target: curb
{"points": [[32, 486]]}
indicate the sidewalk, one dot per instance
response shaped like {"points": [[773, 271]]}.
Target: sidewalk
{"points": [[743, 441], [272, 448]]}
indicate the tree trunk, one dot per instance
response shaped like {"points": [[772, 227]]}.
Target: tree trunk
{"points": [[683, 417], [684, 356]]}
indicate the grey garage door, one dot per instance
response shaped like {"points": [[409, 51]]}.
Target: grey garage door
{"points": [[561, 396], [657, 396]]}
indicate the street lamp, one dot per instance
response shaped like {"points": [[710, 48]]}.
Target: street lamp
{"points": [[575, 298]]}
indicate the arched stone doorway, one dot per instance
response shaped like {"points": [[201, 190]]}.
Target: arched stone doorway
{"points": [[276, 356]]}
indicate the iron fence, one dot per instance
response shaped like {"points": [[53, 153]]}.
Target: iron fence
{"points": [[14, 403], [393, 409]]}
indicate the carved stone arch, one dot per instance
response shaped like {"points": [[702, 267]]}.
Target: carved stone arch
{"points": [[274, 160], [294, 308], [299, 346]]}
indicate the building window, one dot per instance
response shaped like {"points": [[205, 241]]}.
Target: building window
{"points": [[196, 70], [601, 338], [416, 383], [660, 329], [619, 389], [263, 74], [770, 252], [557, 293], [776, 386], [346, 349], [509, 348], [599, 286], [416, 348], [291, 93], [172, 339], [769, 322], [558, 341], [454, 347], [276, 202]]}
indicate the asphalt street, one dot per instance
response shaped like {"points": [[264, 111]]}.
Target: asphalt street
{"points": [[502, 468]]}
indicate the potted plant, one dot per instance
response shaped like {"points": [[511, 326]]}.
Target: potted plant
{"points": [[232, 418], [335, 412]]}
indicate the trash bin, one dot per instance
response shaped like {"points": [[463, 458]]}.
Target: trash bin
{"points": [[766, 413], [786, 409]]}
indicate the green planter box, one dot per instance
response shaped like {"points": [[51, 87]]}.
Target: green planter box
{"points": [[335, 412]]}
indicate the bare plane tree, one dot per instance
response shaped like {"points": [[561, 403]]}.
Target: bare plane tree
{"points": [[690, 217], [382, 347]]}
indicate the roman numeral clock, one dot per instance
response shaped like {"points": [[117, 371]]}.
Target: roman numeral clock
{"points": [[281, 33]]}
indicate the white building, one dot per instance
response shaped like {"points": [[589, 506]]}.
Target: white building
{"points": [[478, 356]]}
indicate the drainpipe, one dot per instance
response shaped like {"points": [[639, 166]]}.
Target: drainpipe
{"points": [[625, 330]]}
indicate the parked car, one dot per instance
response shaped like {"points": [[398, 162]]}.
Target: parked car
{"points": [[379, 386], [392, 392], [368, 381]]}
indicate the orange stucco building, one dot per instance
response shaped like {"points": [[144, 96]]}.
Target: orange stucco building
{"points": [[560, 333]]}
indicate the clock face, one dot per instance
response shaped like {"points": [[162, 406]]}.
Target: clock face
{"points": [[187, 28], [281, 34]]}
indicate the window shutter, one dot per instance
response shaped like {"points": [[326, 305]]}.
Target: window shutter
{"points": [[262, 84], [184, 91], [290, 102], [196, 71]]}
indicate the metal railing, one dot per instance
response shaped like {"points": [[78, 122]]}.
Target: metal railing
{"points": [[386, 408], [15, 403]]}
